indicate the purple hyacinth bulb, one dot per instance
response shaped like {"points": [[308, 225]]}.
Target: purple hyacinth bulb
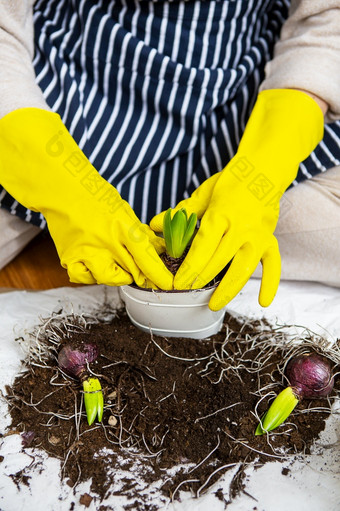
{"points": [[73, 361], [310, 375]]}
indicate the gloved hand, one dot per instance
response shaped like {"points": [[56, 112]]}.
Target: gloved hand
{"points": [[239, 206], [98, 237]]}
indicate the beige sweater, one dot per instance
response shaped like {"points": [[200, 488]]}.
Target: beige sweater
{"points": [[306, 57]]}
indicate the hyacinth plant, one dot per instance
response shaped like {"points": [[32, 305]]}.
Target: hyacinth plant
{"points": [[178, 231], [75, 361], [309, 376]]}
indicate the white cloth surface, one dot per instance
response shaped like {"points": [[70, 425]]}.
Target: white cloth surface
{"points": [[310, 486]]}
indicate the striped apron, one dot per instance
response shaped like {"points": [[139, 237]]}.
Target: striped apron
{"points": [[157, 94]]}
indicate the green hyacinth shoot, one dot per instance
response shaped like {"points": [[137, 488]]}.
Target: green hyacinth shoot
{"points": [[178, 231], [93, 399], [280, 409]]}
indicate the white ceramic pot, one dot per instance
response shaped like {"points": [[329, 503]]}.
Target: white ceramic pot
{"points": [[172, 313]]}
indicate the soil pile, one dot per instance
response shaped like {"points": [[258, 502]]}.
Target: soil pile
{"points": [[178, 412]]}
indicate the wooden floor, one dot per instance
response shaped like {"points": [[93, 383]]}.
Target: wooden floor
{"points": [[36, 267]]}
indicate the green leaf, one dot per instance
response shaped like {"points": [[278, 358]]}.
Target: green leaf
{"points": [[178, 227], [178, 231], [100, 406], [93, 399], [167, 233], [279, 410], [191, 225]]}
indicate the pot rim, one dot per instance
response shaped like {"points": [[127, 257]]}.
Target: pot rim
{"points": [[174, 291]]}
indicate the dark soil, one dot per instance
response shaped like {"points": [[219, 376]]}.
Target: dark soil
{"points": [[173, 263], [179, 409]]}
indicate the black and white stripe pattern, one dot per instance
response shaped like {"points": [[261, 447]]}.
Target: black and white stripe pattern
{"points": [[157, 94]]}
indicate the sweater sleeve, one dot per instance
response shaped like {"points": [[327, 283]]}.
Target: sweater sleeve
{"points": [[307, 56], [18, 88]]}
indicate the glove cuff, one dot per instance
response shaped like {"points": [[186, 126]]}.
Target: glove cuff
{"points": [[285, 126]]}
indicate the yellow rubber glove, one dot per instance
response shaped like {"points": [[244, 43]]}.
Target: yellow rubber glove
{"points": [[239, 206], [98, 237]]}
